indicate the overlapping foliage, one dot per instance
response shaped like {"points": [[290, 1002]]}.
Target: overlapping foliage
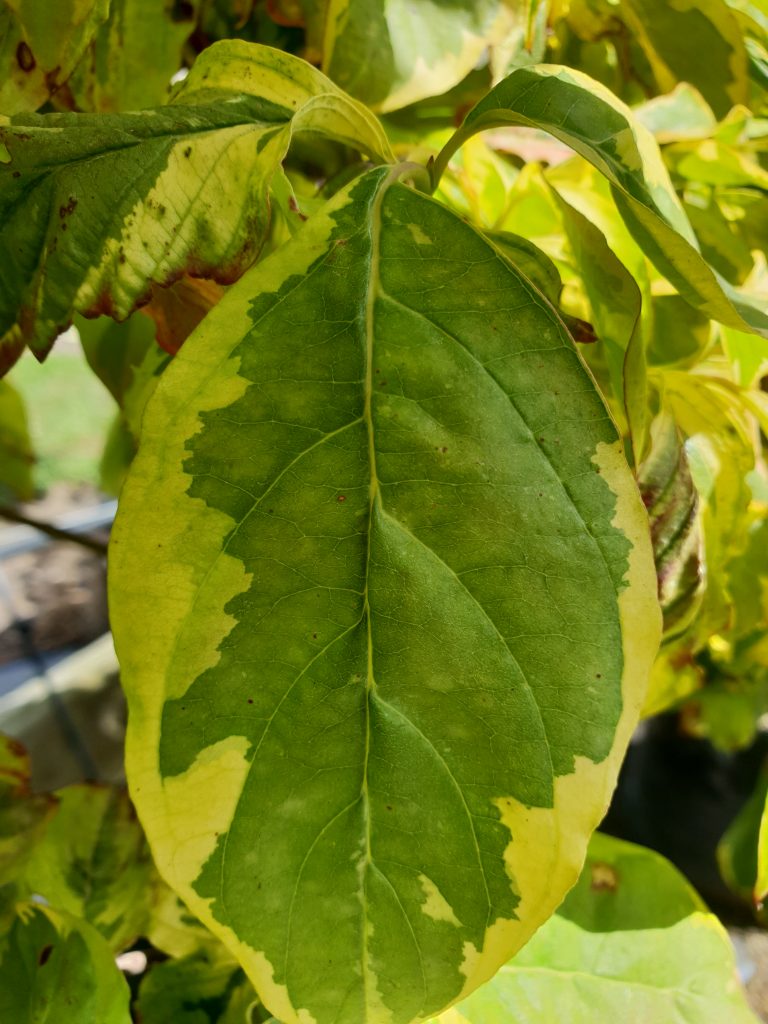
{"points": [[383, 584]]}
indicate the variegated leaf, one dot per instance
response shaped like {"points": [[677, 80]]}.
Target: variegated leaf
{"points": [[97, 208], [385, 605], [588, 117]]}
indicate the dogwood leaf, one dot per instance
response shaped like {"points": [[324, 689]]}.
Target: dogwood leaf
{"points": [[384, 595]]}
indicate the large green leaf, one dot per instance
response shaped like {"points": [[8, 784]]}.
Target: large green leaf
{"points": [[93, 862], [56, 968], [632, 943], [97, 207], [384, 600], [589, 118], [390, 53]]}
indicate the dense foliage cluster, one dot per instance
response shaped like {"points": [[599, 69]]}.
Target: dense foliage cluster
{"points": [[438, 335]]}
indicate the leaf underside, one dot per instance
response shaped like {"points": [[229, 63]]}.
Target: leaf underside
{"points": [[370, 589]]}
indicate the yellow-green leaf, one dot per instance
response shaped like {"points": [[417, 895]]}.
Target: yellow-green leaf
{"points": [[390, 53], [383, 593], [632, 943], [588, 117], [40, 46], [97, 208], [129, 63], [700, 43], [93, 863], [17, 457]]}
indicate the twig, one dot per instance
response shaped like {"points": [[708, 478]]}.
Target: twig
{"points": [[85, 540]]}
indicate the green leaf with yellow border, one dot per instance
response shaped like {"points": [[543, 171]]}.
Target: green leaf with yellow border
{"points": [[98, 207], [40, 46], [389, 53], [385, 606], [675, 34], [632, 942], [93, 862], [588, 117], [129, 63]]}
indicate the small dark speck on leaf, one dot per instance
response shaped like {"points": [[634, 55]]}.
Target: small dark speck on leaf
{"points": [[17, 174], [443, 450], [598, 675], [389, 807], [270, 511], [45, 953], [314, 636], [187, 151], [68, 207], [25, 57], [341, 498], [250, 700]]}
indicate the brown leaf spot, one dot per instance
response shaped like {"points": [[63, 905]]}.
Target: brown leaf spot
{"points": [[45, 953], [341, 498], [604, 877], [68, 208], [25, 58], [294, 206], [582, 332]]}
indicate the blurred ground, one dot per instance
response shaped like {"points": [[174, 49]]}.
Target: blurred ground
{"points": [[752, 950], [57, 593]]}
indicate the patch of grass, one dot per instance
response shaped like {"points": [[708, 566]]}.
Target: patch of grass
{"points": [[70, 413]]}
